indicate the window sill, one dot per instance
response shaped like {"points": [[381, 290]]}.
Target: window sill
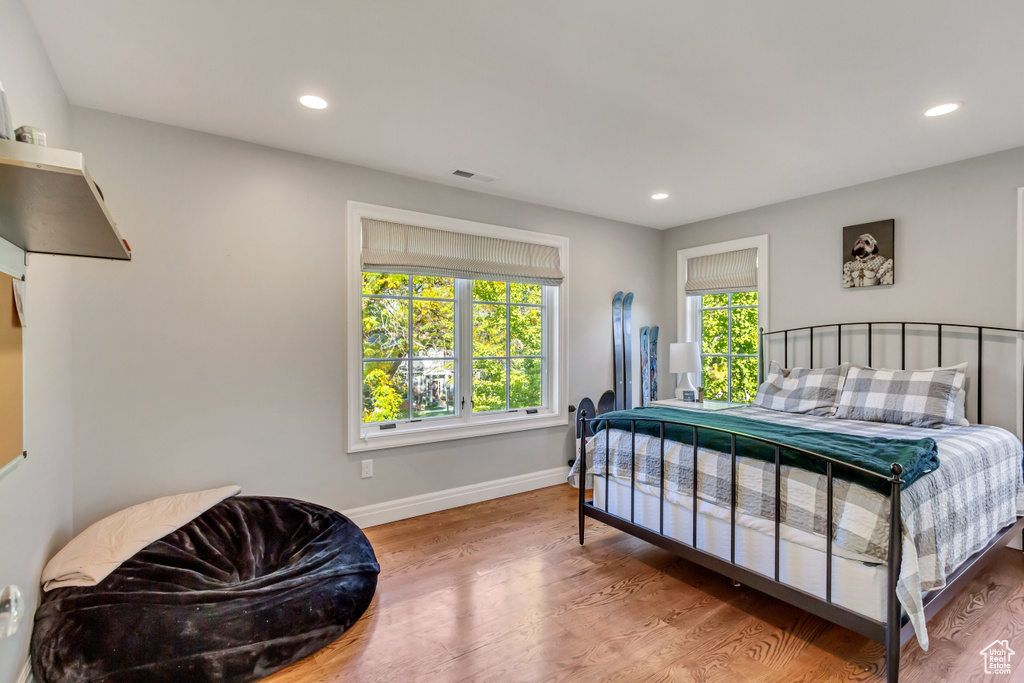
{"points": [[448, 432]]}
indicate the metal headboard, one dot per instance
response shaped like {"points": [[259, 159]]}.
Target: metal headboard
{"points": [[979, 331]]}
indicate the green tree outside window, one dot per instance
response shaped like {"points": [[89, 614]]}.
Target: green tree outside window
{"points": [[409, 363], [508, 328], [729, 338]]}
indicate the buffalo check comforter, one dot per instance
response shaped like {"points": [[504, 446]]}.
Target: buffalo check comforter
{"points": [[948, 515]]}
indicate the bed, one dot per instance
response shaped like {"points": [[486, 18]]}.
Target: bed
{"points": [[244, 589], [949, 518]]}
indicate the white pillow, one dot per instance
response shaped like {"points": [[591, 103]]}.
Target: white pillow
{"points": [[93, 554]]}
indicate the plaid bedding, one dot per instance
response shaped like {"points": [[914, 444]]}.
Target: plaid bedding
{"points": [[802, 390], [947, 515], [920, 398]]}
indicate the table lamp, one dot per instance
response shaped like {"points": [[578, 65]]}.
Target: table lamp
{"points": [[684, 358]]}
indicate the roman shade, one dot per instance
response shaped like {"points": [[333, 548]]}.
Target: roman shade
{"points": [[730, 271], [399, 248]]}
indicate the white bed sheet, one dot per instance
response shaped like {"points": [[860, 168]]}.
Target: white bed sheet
{"points": [[857, 585]]}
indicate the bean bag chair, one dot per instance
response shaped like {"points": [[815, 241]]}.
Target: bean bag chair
{"points": [[246, 588]]}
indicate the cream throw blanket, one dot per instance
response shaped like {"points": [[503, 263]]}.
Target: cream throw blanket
{"points": [[101, 548]]}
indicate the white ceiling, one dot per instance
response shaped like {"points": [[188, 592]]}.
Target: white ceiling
{"points": [[589, 105]]}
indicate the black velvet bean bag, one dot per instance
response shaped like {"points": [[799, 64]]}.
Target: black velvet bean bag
{"points": [[247, 588]]}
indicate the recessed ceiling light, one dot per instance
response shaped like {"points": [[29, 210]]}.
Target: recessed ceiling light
{"points": [[659, 195], [313, 102], [943, 109]]}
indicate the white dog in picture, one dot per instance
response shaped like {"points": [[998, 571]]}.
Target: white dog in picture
{"points": [[867, 268]]}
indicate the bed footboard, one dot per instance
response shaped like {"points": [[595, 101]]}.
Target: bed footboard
{"points": [[889, 632]]}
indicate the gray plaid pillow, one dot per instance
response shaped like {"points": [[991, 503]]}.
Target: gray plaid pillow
{"points": [[814, 391], [920, 398]]}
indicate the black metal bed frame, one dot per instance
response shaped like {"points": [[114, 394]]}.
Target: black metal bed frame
{"points": [[896, 629]]}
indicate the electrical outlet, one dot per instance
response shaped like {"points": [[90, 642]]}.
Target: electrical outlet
{"points": [[367, 469]]}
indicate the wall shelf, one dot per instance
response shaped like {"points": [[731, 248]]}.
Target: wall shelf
{"points": [[50, 205]]}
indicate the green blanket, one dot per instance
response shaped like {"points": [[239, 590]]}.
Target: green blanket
{"points": [[875, 454]]}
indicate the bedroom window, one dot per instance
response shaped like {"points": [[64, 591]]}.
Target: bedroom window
{"points": [[411, 370], [729, 334], [456, 329], [722, 304]]}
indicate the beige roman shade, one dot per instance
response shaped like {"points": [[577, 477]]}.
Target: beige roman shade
{"points": [[730, 271], [400, 248]]}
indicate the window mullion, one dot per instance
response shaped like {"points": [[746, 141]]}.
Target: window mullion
{"points": [[464, 350], [728, 356], [700, 337], [409, 355], [508, 346]]}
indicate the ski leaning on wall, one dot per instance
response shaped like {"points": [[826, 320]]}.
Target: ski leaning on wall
{"points": [[627, 351], [652, 366], [617, 347], [645, 366]]}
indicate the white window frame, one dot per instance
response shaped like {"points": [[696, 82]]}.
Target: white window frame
{"points": [[467, 424], [688, 307]]}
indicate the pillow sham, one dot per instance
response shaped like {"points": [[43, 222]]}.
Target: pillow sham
{"points": [[960, 412], [919, 398], [811, 391]]}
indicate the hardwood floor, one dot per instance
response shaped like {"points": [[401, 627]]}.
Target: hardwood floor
{"points": [[502, 591]]}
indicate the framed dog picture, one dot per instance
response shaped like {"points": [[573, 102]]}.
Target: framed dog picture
{"points": [[868, 254]]}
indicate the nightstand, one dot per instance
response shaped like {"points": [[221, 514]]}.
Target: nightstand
{"points": [[706, 405]]}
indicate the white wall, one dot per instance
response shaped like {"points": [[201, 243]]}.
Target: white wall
{"points": [[218, 354], [35, 499], [955, 246], [956, 251]]}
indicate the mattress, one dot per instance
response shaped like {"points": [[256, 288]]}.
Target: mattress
{"points": [[857, 585]]}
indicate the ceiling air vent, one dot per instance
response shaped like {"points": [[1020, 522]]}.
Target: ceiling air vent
{"points": [[472, 175]]}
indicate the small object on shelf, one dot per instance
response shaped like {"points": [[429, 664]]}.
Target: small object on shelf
{"points": [[689, 397], [6, 124], [700, 394], [31, 135]]}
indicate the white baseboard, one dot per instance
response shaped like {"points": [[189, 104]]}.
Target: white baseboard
{"points": [[394, 510], [26, 673]]}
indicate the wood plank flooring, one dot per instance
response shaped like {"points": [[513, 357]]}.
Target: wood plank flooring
{"points": [[502, 591]]}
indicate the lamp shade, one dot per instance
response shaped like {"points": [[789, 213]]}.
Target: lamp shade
{"points": [[684, 357]]}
